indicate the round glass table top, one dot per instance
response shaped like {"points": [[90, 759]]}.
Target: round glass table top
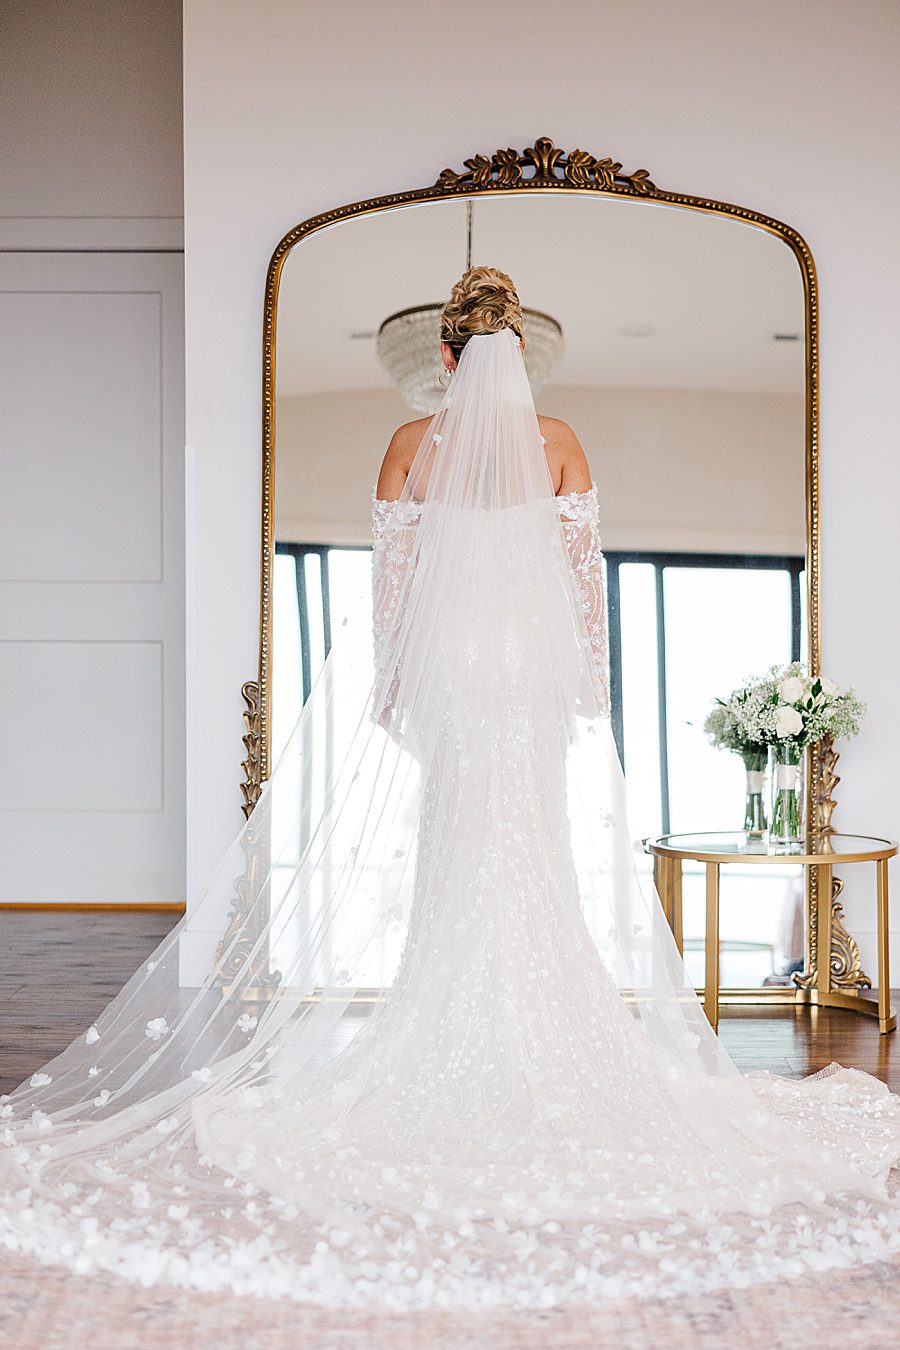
{"points": [[744, 848]]}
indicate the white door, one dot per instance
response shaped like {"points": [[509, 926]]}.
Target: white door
{"points": [[91, 577]]}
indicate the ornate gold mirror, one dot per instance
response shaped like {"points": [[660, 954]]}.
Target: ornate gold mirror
{"points": [[678, 336]]}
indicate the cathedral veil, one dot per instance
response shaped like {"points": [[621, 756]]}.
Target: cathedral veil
{"points": [[244, 1114]]}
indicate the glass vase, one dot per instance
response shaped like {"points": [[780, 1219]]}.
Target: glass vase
{"points": [[787, 793], [755, 763]]}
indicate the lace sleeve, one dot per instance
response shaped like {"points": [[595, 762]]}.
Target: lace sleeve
{"points": [[580, 516], [393, 535]]}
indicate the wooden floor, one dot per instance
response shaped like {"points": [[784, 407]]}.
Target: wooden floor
{"points": [[58, 971]]}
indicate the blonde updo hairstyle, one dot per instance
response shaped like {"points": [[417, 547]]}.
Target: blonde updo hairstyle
{"points": [[484, 300]]}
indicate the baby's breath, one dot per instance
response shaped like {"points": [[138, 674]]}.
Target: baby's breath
{"points": [[757, 714]]}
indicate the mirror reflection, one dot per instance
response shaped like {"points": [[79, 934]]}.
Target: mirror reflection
{"points": [[673, 343]]}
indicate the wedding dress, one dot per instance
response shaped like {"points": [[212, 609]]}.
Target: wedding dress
{"points": [[480, 1075]]}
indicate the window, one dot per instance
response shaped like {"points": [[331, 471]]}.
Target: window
{"points": [[684, 629], [316, 587]]}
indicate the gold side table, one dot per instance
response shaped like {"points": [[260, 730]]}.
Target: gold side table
{"points": [[823, 852]]}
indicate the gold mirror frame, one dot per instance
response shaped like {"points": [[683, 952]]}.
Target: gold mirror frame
{"points": [[543, 167]]}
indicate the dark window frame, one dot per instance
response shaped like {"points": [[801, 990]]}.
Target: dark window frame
{"points": [[299, 553], [793, 565]]}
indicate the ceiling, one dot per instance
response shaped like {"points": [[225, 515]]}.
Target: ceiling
{"points": [[715, 291]]}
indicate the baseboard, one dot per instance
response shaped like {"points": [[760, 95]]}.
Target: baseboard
{"points": [[173, 908]]}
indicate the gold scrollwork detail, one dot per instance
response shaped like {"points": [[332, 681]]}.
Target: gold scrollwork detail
{"points": [[846, 962], [550, 164]]}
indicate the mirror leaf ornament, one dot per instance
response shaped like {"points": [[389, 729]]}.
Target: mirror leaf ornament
{"points": [[509, 168], [252, 738], [826, 781], [550, 164]]}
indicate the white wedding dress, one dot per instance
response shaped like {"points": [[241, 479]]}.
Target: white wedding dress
{"points": [[482, 1077]]}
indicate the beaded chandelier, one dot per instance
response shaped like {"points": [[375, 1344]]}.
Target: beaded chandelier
{"points": [[408, 347]]}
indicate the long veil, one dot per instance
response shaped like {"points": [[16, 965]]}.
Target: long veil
{"points": [[427, 1036]]}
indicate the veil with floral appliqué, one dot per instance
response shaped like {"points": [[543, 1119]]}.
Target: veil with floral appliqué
{"points": [[260, 990]]}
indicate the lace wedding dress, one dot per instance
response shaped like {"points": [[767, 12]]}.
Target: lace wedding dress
{"points": [[480, 1075]]}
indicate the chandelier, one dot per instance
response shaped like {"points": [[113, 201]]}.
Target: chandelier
{"points": [[408, 346]]}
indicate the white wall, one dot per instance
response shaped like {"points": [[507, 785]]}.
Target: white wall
{"points": [[791, 109], [92, 430], [90, 124]]}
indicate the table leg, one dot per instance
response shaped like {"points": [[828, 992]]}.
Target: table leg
{"points": [[677, 923], [661, 868], [711, 1002], [823, 928], [886, 1020]]}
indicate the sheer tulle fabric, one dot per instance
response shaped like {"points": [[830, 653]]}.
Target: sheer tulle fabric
{"points": [[447, 1053]]}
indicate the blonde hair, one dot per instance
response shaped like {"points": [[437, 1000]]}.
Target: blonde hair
{"points": [[484, 300]]}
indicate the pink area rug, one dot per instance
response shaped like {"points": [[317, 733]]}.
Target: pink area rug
{"points": [[47, 1309]]}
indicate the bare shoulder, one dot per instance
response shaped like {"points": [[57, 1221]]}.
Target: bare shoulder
{"points": [[569, 468], [398, 457]]}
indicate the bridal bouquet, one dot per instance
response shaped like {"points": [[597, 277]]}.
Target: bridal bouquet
{"points": [[786, 707], [785, 711], [733, 725]]}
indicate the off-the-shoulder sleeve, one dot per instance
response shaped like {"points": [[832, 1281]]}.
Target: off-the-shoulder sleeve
{"points": [[393, 537], [580, 517]]}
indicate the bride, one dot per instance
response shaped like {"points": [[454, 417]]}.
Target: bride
{"points": [[448, 1053]]}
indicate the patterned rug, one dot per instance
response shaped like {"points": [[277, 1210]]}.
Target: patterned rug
{"points": [[43, 1308]]}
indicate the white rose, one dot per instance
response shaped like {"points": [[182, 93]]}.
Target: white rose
{"points": [[788, 722], [791, 689], [829, 688]]}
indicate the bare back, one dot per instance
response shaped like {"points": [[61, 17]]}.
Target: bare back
{"points": [[566, 460]]}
